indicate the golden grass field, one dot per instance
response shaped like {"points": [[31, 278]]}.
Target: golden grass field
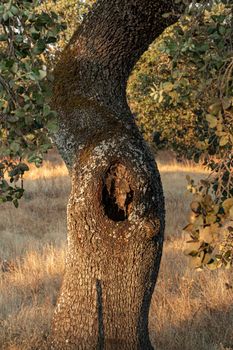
{"points": [[190, 310]]}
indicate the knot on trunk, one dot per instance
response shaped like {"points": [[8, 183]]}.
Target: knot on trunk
{"points": [[117, 195]]}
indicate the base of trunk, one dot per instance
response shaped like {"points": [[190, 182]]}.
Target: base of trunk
{"points": [[115, 235]]}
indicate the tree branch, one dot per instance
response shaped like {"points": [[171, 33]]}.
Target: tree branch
{"points": [[112, 38], [91, 77]]}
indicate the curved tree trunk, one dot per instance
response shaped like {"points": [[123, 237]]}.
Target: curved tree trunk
{"points": [[116, 206]]}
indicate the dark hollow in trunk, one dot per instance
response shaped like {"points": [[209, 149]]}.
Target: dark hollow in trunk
{"points": [[116, 205], [117, 194]]}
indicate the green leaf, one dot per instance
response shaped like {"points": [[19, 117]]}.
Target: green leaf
{"points": [[215, 108], [4, 185], [14, 68], [223, 140], [16, 203], [39, 47], [14, 146], [14, 10], [202, 48], [43, 19], [42, 74], [226, 103], [212, 120], [52, 126], [167, 15], [3, 37], [168, 86], [5, 16]]}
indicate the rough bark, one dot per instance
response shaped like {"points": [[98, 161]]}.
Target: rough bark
{"points": [[116, 206]]}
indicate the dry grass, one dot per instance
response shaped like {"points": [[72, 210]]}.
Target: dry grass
{"points": [[190, 310]]}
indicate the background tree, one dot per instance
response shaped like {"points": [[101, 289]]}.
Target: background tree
{"points": [[205, 48], [183, 88]]}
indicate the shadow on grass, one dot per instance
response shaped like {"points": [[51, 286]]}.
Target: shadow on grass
{"points": [[207, 329]]}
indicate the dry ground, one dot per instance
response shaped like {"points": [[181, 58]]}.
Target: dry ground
{"points": [[190, 310]]}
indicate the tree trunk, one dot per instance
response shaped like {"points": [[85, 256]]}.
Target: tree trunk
{"points": [[116, 206]]}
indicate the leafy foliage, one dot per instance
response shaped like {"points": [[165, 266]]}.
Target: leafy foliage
{"points": [[72, 13], [205, 48], [32, 35], [210, 228], [26, 119]]}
